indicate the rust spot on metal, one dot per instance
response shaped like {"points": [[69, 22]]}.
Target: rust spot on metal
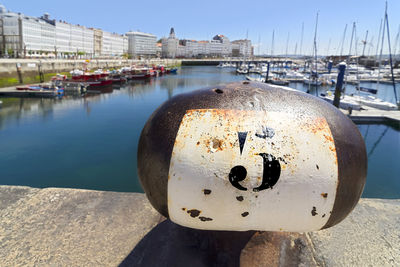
{"points": [[206, 191], [194, 213], [314, 211], [324, 195], [205, 219], [328, 138], [244, 214], [239, 198], [217, 144]]}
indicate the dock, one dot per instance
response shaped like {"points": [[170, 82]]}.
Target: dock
{"points": [[371, 115], [13, 92]]}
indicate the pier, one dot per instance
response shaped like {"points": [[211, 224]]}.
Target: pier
{"points": [[13, 92], [373, 115], [74, 227]]}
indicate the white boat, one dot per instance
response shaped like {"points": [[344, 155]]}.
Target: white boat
{"points": [[312, 82], [374, 102], [345, 103]]}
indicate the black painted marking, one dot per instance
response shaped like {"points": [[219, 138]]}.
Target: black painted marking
{"points": [[205, 219], [238, 174], [207, 191], [244, 214], [266, 133], [242, 140], [239, 198], [314, 211], [194, 213], [271, 172]]}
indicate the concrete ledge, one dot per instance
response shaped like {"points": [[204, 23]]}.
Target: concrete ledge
{"points": [[72, 227]]}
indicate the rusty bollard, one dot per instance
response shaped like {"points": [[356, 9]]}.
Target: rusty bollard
{"points": [[251, 156]]}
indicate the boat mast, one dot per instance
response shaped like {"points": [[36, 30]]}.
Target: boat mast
{"points": [[381, 51], [348, 56], [342, 41], [315, 55], [287, 44], [390, 54], [379, 37], [301, 39], [272, 45], [364, 43]]}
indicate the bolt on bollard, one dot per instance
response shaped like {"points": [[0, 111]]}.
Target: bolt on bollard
{"points": [[251, 156]]}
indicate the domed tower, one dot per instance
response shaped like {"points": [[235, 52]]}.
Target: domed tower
{"points": [[172, 33], [3, 9]]}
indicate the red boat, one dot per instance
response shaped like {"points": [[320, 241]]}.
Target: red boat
{"points": [[91, 79], [142, 73]]}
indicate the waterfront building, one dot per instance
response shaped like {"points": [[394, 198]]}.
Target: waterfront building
{"points": [[98, 42], [141, 44], [241, 48], [22, 36], [113, 44], [170, 45], [219, 46]]}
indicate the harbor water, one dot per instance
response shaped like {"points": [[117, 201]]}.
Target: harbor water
{"points": [[91, 142]]}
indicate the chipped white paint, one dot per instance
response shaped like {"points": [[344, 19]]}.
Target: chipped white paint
{"points": [[207, 148]]}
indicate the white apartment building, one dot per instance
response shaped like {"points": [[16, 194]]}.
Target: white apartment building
{"points": [[241, 48], [63, 37], [141, 44], [113, 44], [219, 46], [25, 36]]}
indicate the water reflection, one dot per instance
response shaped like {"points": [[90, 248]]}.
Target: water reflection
{"points": [[91, 141]]}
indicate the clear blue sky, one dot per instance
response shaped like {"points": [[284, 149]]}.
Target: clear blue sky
{"points": [[201, 20]]}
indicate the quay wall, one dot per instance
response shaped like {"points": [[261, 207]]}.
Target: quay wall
{"points": [[11, 69], [74, 227]]}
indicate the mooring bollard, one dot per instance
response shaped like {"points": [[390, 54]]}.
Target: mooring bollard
{"points": [[251, 156]]}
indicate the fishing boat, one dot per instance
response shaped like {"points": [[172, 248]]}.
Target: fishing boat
{"points": [[91, 79], [142, 73]]}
